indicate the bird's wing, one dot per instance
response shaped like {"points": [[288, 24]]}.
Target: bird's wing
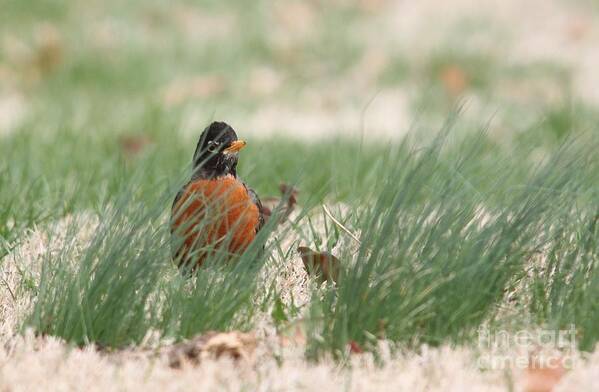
{"points": [[177, 198], [258, 203], [176, 247]]}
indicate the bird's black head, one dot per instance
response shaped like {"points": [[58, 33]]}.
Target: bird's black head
{"points": [[216, 153]]}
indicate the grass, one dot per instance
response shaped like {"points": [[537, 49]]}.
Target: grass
{"points": [[449, 228], [446, 230], [437, 257], [124, 285]]}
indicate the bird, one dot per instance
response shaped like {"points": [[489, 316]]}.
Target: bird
{"points": [[214, 209]]}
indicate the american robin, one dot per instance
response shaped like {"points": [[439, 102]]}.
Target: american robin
{"points": [[215, 209]]}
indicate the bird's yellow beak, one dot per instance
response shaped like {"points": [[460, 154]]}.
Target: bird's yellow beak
{"points": [[236, 146]]}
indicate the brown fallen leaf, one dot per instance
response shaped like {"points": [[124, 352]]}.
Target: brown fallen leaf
{"points": [[49, 48], [132, 145], [354, 347], [289, 192], [541, 377], [454, 79], [323, 265], [270, 204], [213, 345], [578, 29]]}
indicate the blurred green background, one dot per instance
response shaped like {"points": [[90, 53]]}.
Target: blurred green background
{"points": [[305, 69], [92, 91]]}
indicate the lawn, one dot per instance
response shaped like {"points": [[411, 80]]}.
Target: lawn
{"points": [[459, 191]]}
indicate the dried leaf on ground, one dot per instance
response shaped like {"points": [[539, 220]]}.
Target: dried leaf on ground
{"points": [[323, 265], [49, 48], [354, 347], [236, 345], [270, 204], [132, 145], [540, 377], [578, 29], [454, 79]]}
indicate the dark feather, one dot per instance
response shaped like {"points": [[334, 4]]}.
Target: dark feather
{"points": [[258, 203]]}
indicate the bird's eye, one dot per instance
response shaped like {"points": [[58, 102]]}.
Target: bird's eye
{"points": [[212, 146]]}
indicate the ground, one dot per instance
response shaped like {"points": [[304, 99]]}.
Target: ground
{"points": [[454, 142]]}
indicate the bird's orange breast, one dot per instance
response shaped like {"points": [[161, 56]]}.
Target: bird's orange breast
{"points": [[215, 212]]}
